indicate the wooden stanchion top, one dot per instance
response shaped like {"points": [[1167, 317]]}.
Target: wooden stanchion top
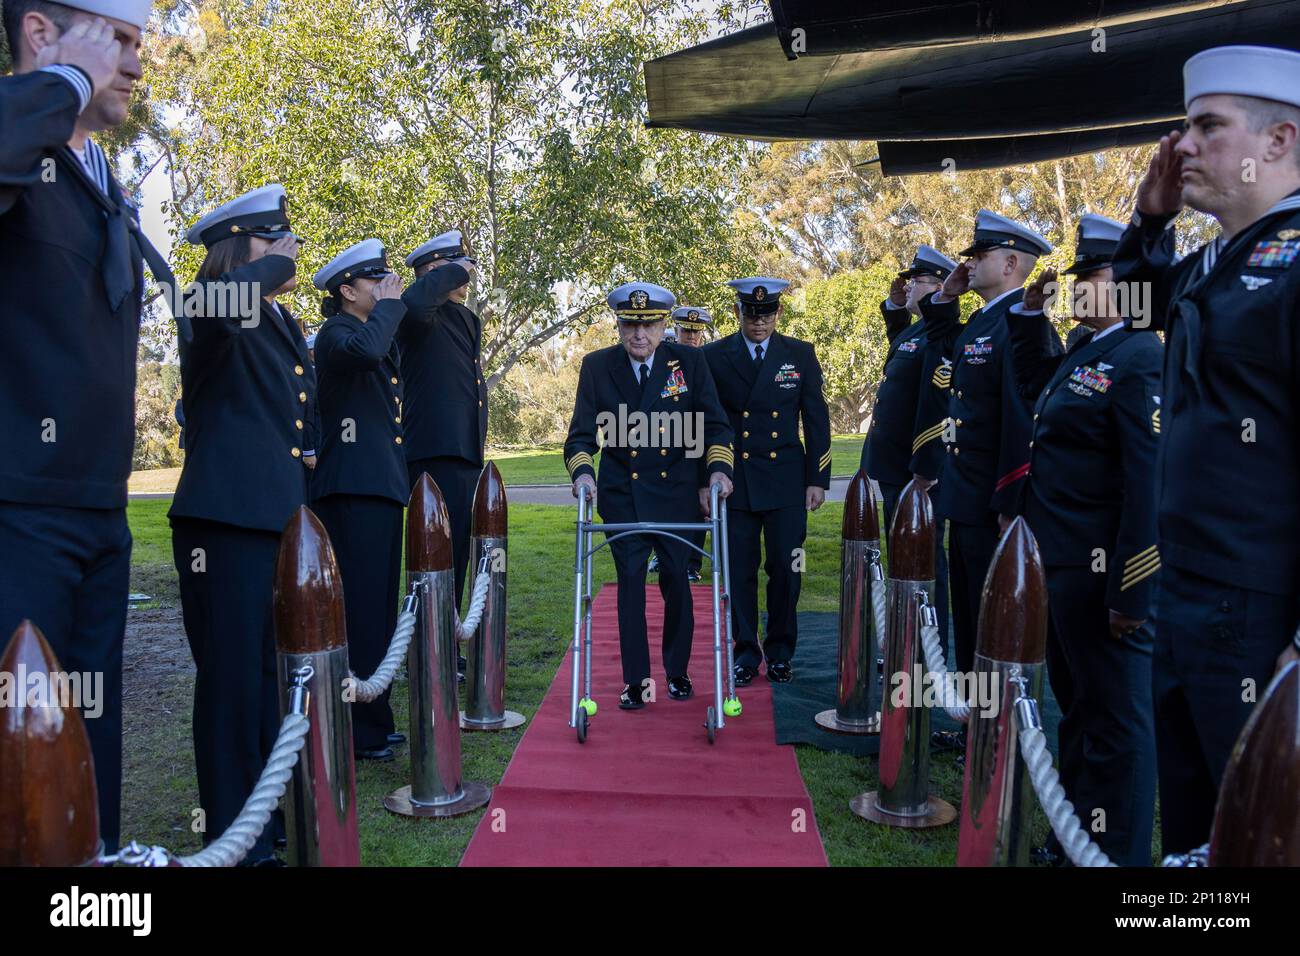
{"points": [[860, 521], [308, 601], [1257, 822], [490, 517], [1013, 607], [911, 537], [49, 813], [428, 528]]}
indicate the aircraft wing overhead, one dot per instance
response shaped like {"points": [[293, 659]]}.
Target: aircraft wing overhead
{"points": [[1007, 95]]}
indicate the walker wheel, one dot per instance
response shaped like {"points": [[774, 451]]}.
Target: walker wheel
{"points": [[711, 722], [582, 726]]}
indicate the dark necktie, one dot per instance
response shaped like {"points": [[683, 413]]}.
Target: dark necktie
{"points": [[758, 357], [645, 375]]}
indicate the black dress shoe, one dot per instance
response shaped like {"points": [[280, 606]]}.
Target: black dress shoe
{"points": [[380, 754], [949, 739], [679, 688], [630, 699], [1042, 856], [744, 675], [395, 738], [780, 672], [693, 575]]}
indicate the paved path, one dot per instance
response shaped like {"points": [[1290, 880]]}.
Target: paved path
{"points": [[556, 494]]}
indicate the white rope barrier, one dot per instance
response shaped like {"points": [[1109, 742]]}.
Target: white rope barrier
{"points": [[478, 600], [950, 700], [372, 689], [881, 614], [1074, 839]]}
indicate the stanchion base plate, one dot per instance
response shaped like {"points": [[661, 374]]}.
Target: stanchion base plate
{"points": [[473, 796], [940, 813], [509, 722], [828, 720]]}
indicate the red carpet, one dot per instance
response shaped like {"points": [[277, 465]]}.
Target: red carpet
{"points": [[646, 788]]}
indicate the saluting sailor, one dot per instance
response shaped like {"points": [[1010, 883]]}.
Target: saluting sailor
{"points": [[1089, 499], [1229, 517], [769, 384], [445, 411], [70, 261], [360, 487], [905, 441], [656, 468], [247, 387], [986, 438]]}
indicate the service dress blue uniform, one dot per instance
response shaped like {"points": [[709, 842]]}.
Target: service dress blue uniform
{"points": [[767, 394], [359, 488], [246, 388]]}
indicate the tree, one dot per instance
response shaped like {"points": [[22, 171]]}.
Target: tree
{"points": [[520, 123]]}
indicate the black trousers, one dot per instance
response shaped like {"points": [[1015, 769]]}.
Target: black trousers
{"points": [[694, 560], [891, 494], [630, 557], [456, 478], [1210, 638], [781, 530], [68, 571], [227, 580], [366, 532], [1107, 737], [970, 549]]}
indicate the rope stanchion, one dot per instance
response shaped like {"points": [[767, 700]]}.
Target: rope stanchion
{"points": [[370, 690], [478, 600], [937, 669], [1074, 838]]}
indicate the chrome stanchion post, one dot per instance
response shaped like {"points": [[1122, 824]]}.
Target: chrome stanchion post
{"points": [[857, 707], [485, 674], [436, 788], [904, 798], [320, 807], [997, 793]]}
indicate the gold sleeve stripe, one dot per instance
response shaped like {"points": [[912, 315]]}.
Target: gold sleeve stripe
{"points": [[1155, 422], [1138, 577], [824, 462], [578, 460], [930, 434], [720, 453], [1144, 553], [1140, 571]]}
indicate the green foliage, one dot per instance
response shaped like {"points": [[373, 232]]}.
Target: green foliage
{"points": [[157, 436]]}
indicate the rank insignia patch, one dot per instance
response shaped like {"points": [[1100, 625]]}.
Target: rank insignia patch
{"points": [[676, 384], [1272, 254], [943, 375]]}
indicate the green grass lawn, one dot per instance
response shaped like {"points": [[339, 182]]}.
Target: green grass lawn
{"points": [[160, 791]]}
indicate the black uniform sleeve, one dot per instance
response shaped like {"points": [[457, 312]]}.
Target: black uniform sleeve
{"points": [[816, 418], [1135, 411], [931, 414], [339, 349], [1014, 436], [263, 275], [719, 449], [942, 322], [423, 296], [1146, 255], [38, 112], [1032, 357], [897, 319], [581, 446]]}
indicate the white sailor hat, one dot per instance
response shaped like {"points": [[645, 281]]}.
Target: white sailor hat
{"points": [[670, 334], [998, 232], [1267, 72], [262, 212], [134, 12], [449, 245], [692, 317], [365, 260], [929, 261], [1098, 238], [759, 295], [641, 302]]}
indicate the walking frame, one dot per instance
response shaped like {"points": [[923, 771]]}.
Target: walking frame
{"points": [[582, 707]]}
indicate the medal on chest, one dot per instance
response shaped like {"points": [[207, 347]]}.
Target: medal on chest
{"points": [[977, 352], [1085, 380], [676, 384], [787, 376]]}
